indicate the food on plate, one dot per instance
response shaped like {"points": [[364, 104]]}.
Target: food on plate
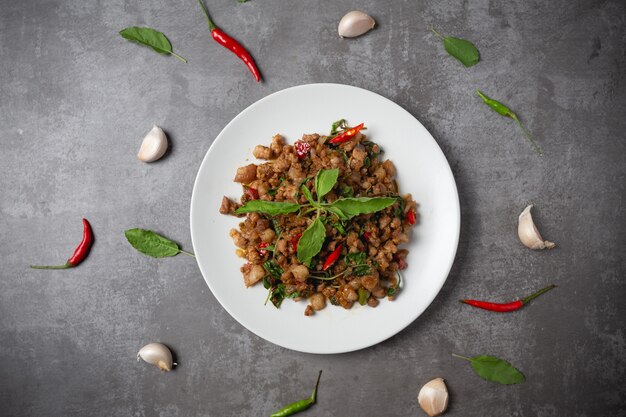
{"points": [[324, 220]]}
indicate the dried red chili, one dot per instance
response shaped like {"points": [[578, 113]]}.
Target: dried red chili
{"points": [[294, 241], [79, 254], [366, 236], [410, 216], [229, 43], [302, 148], [332, 258], [507, 307], [253, 193], [263, 251], [347, 135]]}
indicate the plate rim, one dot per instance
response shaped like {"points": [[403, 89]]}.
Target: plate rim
{"points": [[457, 220]]}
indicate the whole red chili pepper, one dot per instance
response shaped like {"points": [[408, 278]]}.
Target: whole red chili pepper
{"points": [[229, 43], [347, 135], [332, 258], [294, 241], [79, 254], [506, 307], [302, 148], [410, 216]]}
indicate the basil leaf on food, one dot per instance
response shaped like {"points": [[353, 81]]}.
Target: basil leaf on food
{"points": [[151, 244], [354, 206], [307, 194], [494, 369], [325, 180], [150, 38], [271, 208], [461, 49], [340, 124], [311, 241]]}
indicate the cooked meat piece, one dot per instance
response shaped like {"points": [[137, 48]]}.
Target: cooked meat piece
{"points": [[246, 174], [262, 152], [253, 276]]}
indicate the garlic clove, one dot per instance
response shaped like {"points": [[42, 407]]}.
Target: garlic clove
{"points": [[157, 354], [433, 397], [528, 233], [153, 146], [355, 24]]}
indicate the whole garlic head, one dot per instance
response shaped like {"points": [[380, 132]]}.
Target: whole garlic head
{"points": [[157, 354], [153, 146], [433, 397], [529, 234], [355, 24]]}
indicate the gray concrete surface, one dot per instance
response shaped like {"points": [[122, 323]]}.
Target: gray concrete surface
{"points": [[75, 100]]}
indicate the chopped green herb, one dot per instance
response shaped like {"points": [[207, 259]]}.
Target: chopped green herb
{"points": [[347, 191], [272, 268], [338, 126], [363, 296]]}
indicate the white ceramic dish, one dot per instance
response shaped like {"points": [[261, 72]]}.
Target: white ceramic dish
{"points": [[422, 171]]}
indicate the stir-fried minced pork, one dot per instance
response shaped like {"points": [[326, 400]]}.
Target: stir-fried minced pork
{"points": [[360, 257]]}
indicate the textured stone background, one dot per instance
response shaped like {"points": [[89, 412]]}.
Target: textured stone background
{"points": [[76, 99]]}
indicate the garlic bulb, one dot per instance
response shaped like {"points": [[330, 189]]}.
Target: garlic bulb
{"points": [[157, 354], [528, 233], [355, 24], [433, 397], [153, 146]]}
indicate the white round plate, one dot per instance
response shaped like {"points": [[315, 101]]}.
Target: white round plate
{"points": [[422, 170]]}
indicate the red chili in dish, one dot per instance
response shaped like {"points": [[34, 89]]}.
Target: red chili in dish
{"points": [[229, 43], [253, 193], [294, 241], [332, 258], [79, 254], [506, 307], [347, 135], [410, 216], [302, 148], [262, 251]]}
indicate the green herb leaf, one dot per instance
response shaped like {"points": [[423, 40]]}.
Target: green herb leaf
{"points": [[150, 38], [272, 268], [351, 207], [152, 244], [271, 208], [307, 194], [363, 296], [347, 191], [494, 369], [461, 49], [338, 126], [311, 241], [325, 180], [358, 262]]}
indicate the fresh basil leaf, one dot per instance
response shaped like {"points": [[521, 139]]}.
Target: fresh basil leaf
{"points": [[461, 49], [266, 283], [150, 38], [271, 208], [325, 180], [337, 212], [354, 206], [356, 258], [272, 268], [311, 241], [278, 295], [337, 126], [358, 261], [494, 369], [307, 194], [151, 244], [363, 296]]}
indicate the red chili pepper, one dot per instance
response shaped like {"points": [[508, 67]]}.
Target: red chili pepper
{"points": [[347, 135], [253, 193], [229, 43], [410, 216], [294, 241], [79, 254], [506, 307], [367, 235], [302, 148], [262, 251], [332, 258]]}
